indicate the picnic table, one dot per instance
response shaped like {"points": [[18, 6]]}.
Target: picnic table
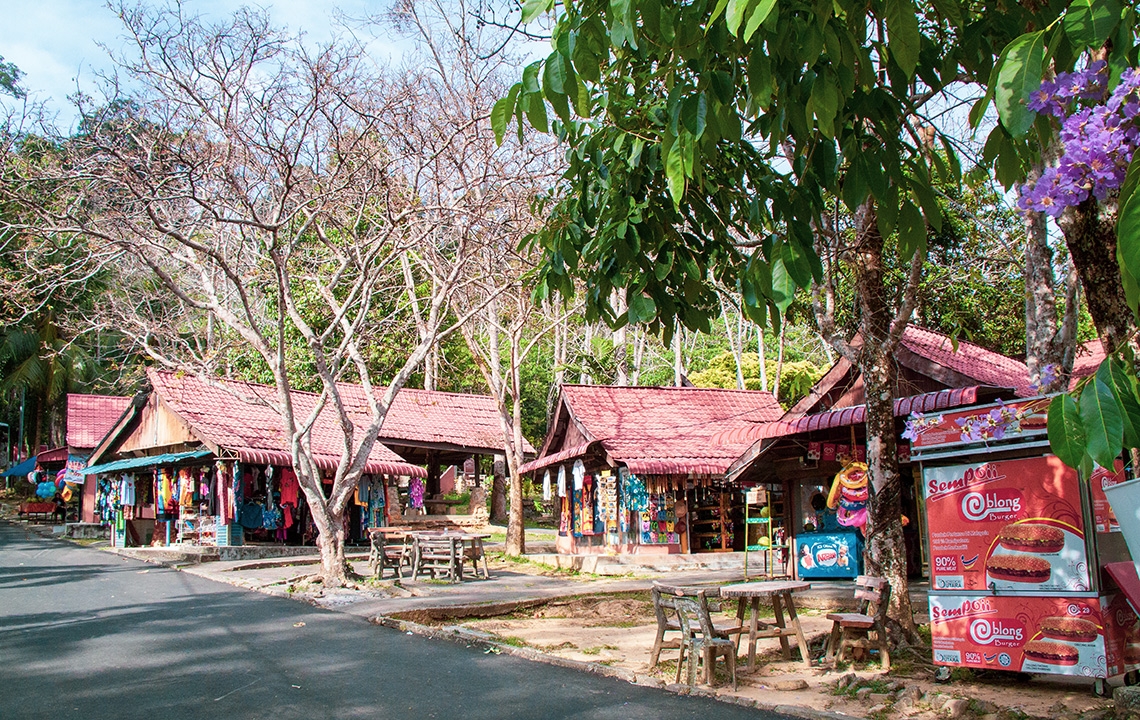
{"points": [[781, 593], [446, 553]]}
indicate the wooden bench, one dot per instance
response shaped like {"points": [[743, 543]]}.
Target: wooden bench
{"points": [[435, 555], [850, 631], [43, 509]]}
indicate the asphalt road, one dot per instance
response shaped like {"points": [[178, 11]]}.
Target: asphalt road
{"points": [[88, 634]]}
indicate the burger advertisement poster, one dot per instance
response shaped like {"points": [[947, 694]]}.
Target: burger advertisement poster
{"points": [[1006, 526], [1058, 636]]}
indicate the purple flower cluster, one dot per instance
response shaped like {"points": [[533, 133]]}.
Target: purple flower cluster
{"points": [[992, 425], [917, 423], [1045, 378], [1097, 141]]}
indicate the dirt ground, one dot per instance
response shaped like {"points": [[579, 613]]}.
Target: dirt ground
{"points": [[619, 630]]}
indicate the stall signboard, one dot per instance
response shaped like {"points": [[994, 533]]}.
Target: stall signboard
{"points": [[1060, 636], [1003, 421], [1103, 517], [821, 555], [1006, 526]]}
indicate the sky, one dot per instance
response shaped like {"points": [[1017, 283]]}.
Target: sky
{"points": [[56, 43]]}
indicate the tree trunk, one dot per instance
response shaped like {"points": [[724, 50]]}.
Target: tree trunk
{"points": [[499, 497], [516, 538], [885, 552], [1090, 233], [621, 359], [334, 565], [677, 371], [763, 361], [1048, 340]]}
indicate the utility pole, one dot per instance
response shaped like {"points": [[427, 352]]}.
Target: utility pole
{"points": [[20, 440]]}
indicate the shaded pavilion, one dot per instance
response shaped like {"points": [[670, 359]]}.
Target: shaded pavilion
{"points": [[437, 429]]}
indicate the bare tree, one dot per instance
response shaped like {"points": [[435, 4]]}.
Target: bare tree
{"points": [[469, 65], [269, 193]]}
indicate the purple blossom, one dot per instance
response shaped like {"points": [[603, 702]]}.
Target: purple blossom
{"points": [[1098, 138]]}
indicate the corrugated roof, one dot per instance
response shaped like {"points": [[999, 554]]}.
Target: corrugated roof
{"points": [[148, 461], [254, 430], [456, 419], [555, 458], [668, 430], [984, 366], [855, 415], [91, 417]]}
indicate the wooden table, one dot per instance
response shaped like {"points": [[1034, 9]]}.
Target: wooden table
{"points": [[458, 544], [781, 594]]}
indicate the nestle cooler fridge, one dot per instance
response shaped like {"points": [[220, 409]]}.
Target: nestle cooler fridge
{"points": [[1017, 542]]}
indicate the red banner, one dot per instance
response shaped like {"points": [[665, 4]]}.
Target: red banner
{"points": [[992, 422], [1010, 525], [1090, 637]]}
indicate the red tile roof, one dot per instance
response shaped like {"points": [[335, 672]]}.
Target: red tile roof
{"points": [[985, 367], [667, 430], [1088, 359], [254, 431], [91, 417], [428, 416]]}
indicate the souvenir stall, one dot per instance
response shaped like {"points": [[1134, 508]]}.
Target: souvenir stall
{"points": [[608, 511], [1018, 542]]}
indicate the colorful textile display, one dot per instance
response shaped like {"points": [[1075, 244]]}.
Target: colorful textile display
{"points": [[849, 494], [659, 521], [186, 487], [584, 506], [634, 493], [608, 501], [416, 493]]}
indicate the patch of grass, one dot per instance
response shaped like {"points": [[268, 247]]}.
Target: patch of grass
{"points": [[595, 650], [877, 685], [568, 572], [514, 641]]}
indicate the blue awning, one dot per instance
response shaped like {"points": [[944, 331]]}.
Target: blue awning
{"points": [[149, 461], [20, 469]]}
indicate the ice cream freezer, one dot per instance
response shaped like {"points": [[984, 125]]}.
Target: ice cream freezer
{"points": [[1017, 544], [829, 555]]}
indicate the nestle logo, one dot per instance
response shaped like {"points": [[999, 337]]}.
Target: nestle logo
{"points": [[998, 504]]}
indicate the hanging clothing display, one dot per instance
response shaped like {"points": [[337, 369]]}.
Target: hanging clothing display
{"points": [[416, 493], [126, 490], [561, 481], [546, 490], [290, 487], [186, 487]]}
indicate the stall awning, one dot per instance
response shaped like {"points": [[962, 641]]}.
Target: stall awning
{"points": [[149, 461], [555, 458], [20, 468]]}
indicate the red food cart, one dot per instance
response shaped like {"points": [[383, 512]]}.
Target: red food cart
{"points": [[1017, 544]]}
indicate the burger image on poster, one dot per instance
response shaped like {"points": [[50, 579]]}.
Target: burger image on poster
{"points": [[1039, 554]]}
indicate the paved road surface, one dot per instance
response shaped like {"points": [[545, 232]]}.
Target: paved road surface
{"points": [[87, 634]]}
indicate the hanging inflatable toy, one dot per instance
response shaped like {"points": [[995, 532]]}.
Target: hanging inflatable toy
{"points": [[849, 494]]}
